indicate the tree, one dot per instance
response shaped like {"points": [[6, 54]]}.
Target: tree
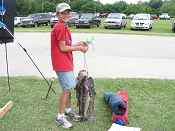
{"points": [[22, 7], [99, 6], [48, 7], [168, 7], [108, 8], [119, 6], [25, 7], [77, 5], [155, 4]]}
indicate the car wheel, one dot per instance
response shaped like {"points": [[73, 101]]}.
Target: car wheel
{"points": [[35, 25], [77, 27], [17, 25], [90, 26], [120, 27]]}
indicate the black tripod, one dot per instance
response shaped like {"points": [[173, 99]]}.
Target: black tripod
{"points": [[7, 64]]}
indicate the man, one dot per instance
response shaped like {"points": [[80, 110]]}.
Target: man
{"points": [[62, 62]]}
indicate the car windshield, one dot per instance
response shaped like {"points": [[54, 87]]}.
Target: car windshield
{"points": [[75, 16], [34, 15], [114, 16], [86, 16], [30, 16], [141, 17]]}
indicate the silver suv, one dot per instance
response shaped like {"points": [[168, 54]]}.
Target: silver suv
{"points": [[36, 20], [115, 20]]}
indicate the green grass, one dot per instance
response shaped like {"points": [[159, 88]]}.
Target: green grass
{"points": [[163, 26], [160, 28], [151, 105]]}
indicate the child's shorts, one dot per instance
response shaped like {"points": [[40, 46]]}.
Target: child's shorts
{"points": [[67, 80]]}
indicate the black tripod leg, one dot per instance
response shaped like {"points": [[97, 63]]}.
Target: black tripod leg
{"points": [[8, 76], [50, 86]]}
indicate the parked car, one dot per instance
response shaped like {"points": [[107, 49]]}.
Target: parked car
{"points": [[43, 19], [28, 21], [87, 20], [103, 15], [164, 16], [173, 26], [53, 20], [17, 21], [74, 17], [141, 21], [71, 22], [36, 19], [154, 17], [115, 20]]}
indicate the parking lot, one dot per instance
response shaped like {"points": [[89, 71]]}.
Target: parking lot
{"points": [[140, 23], [133, 56], [160, 28]]}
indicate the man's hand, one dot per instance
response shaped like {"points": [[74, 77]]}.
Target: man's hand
{"points": [[83, 47], [82, 43]]}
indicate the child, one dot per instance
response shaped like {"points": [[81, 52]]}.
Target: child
{"points": [[62, 62]]}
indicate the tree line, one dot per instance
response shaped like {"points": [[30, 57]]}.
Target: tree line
{"points": [[25, 7]]}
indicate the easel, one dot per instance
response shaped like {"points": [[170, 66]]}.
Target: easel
{"points": [[3, 26]]}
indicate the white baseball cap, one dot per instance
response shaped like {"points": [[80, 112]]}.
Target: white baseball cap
{"points": [[62, 7]]}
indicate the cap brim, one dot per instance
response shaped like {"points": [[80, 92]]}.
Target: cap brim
{"points": [[65, 10]]}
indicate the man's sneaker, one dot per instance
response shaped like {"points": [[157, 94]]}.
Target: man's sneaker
{"points": [[62, 121], [73, 116]]}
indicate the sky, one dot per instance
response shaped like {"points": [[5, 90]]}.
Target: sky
{"points": [[128, 1]]}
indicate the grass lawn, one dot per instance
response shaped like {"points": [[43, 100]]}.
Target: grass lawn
{"points": [[160, 27], [151, 105]]}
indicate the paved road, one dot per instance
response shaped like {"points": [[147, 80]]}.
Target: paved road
{"points": [[113, 55]]}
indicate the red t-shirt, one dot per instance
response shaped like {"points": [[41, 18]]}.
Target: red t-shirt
{"points": [[61, 61]]}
